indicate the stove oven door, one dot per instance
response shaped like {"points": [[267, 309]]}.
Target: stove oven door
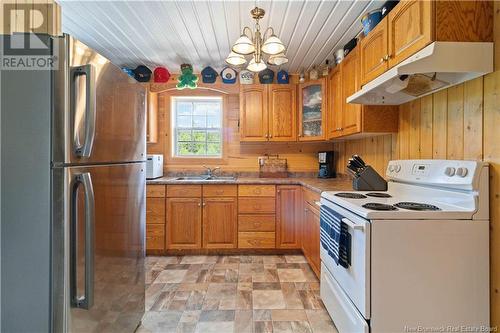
{"points": [[354, 280]]}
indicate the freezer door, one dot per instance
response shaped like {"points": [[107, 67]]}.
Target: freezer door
{"points": [[99, 113], [105, 252]]}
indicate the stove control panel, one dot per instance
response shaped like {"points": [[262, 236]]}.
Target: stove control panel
{"points": [[447, 173], [420, 169]]}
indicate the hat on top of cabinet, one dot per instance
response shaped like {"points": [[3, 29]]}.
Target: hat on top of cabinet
{"points": [[282, 77], [161, 75], [208, 75], [228, 75], [246, 77], [266, 76], [142, 73]]}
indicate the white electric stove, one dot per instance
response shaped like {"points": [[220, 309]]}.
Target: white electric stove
{"points": [[418, 252]]}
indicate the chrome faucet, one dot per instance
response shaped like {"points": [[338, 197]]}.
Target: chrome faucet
{"points": [[210, 171]]}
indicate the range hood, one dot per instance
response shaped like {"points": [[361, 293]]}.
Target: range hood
{"points": [[438, 66]]}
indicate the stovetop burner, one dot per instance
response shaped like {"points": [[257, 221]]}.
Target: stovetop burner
{"points": [[379, 195], [350, 195], [378, 206], [416, 206]]}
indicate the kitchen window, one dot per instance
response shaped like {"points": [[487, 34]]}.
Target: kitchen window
{"points": [[197, 127]]}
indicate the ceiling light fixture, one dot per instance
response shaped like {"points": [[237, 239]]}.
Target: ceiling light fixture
{"points": [[277, 60], [235, 59], [257, 45]]}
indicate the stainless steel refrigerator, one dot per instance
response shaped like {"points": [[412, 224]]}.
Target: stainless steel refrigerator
{"points": [[73, 195]]}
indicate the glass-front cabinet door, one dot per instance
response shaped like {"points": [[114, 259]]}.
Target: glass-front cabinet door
{"points": [[312, 110]]}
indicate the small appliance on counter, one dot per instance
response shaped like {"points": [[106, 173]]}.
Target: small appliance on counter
{"points": [[365, 178], [326, 164], [154, 166]]}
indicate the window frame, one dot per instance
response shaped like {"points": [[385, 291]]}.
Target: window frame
{"points": [[174, 128]]}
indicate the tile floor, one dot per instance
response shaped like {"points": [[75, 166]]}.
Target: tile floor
{"points": [[226, 294]]}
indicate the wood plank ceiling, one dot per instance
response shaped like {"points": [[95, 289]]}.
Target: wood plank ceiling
{"points": [[169, 33]]}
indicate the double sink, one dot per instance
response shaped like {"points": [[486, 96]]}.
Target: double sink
{"points": [[208, 178]]}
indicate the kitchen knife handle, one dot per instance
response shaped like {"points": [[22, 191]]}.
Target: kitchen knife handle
{"points": [[86, 301], [83, 149]]}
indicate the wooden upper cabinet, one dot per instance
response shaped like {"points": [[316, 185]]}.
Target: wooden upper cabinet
{"points": [[288, 227], [282, 112], [253, 112], [351, 113], [334, 116], [312, 110], [410, 26], [464, 21], [183, 229], [220, 222], [374, 53]]}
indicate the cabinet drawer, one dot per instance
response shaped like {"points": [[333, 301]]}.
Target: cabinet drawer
{"points": [[256, 240], [155, 236], [183, 191], [155, 191], [311, 197], [155, 210], [252, 205], [256, 190], [220, 190], [256, 223]]}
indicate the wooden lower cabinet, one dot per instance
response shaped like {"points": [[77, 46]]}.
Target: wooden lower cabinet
{"points": [[288, 199], [155, 236], [311, 243], [220, 223], [256, 216], [183, 227], [155, 217], [256, 223], [310, 230], [256, 240]]}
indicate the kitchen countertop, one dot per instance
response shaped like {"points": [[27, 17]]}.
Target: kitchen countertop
{"points": [[315, 184]]}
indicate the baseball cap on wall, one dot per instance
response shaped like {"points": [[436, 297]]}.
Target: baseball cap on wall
{"points": [[282, 77], [266, 76], [208, 75], [246, 77], [142, 73], [161, 75], [228, 75]]}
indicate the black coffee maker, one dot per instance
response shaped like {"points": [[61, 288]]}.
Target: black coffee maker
{"points": [[326, 164]]}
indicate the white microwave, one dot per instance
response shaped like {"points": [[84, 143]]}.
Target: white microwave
{"points": [[154, 166]]}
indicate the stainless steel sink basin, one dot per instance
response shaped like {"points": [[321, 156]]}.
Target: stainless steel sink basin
{"points": [[213, 178]]}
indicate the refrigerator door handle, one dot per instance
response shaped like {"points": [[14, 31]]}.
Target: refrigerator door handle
{"points": [[85, 301], [83, 148]]}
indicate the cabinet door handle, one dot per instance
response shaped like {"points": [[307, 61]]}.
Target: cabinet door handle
{"points": [[385, 58]]}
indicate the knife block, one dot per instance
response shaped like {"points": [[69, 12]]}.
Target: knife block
{"points": [[369, 180]]}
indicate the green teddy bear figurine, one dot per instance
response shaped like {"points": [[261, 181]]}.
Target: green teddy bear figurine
{"points": [[187, 79]]}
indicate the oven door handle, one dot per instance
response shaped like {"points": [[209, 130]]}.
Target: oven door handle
{"points": [[352, 225]]}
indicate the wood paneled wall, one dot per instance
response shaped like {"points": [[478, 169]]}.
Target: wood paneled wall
{"points": [[462, 122], [240, 157]]}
